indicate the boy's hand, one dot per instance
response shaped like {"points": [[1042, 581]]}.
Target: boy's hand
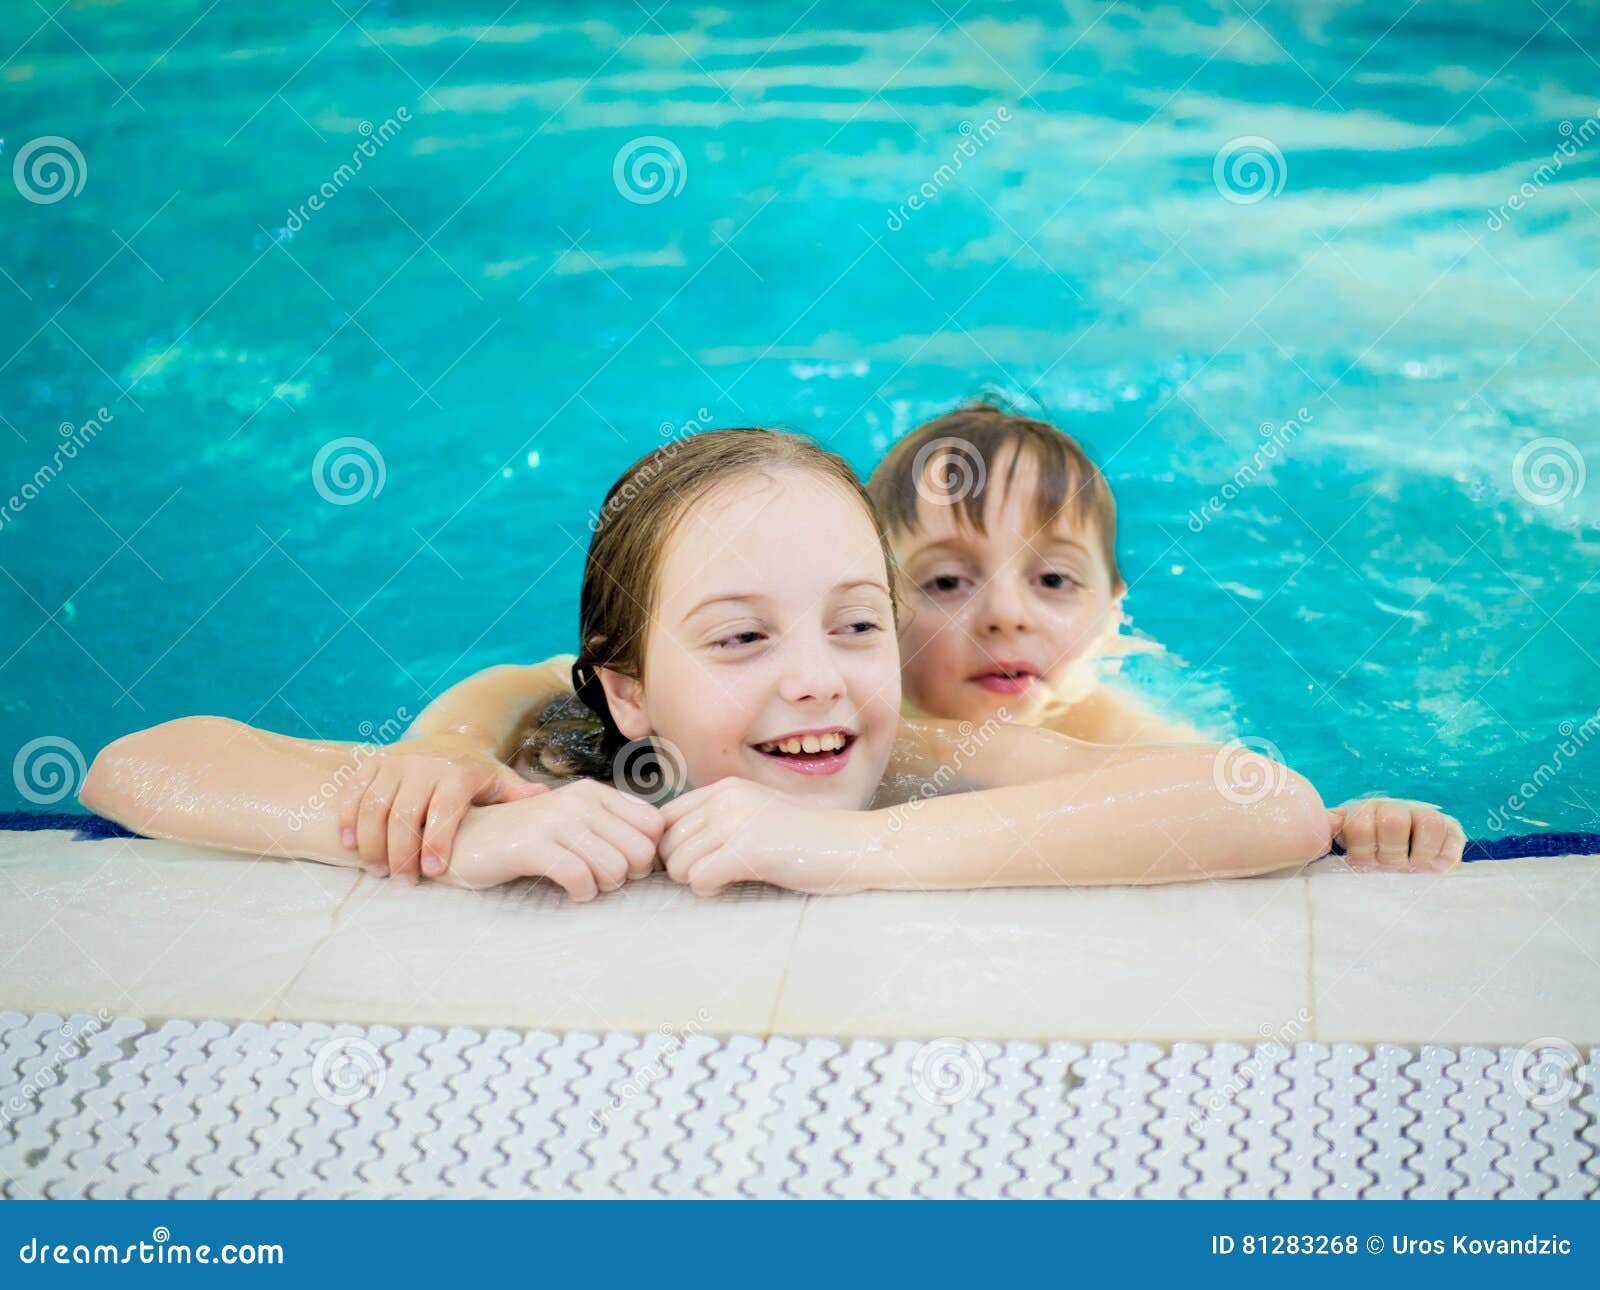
{"points": [[1388, 833], [403, 811], [585, 835], [738, 831]]}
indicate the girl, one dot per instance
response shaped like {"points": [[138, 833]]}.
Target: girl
{"points": [[738, 613]]}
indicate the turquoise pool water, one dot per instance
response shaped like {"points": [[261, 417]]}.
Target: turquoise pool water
{"points": [[508, 310]]}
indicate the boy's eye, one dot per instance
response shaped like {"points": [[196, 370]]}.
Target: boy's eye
{"points": [[1058, 581], [943, 584]]}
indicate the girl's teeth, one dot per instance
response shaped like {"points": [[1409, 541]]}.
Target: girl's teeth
{"points": [[807, 744]]}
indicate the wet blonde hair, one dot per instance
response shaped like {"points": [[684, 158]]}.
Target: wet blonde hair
{"points": [[623, 571]]}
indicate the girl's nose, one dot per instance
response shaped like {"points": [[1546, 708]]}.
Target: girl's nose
{"points": [[811, 675]]}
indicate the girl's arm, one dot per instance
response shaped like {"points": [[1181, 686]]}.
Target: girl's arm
{"points": [[220, 783]]}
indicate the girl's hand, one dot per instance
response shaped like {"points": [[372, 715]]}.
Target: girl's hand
{"points": [[1392, 834], [587, 836], [739, 831], [403, 810]]}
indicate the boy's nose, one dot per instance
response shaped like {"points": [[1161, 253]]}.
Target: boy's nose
{"points": [[1003, 610]]}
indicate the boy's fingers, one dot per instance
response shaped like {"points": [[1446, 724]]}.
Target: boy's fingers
{"points": [[1429, 833], [1360, 835], [372, 823], [350, 807], [508, 786], [445, 813], [1394, 835], [406, 818]]}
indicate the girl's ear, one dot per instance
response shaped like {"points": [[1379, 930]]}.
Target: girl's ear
{"points": [[625, 698]]}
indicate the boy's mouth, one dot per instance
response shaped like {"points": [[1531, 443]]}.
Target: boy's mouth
{"points": [[810, 752], [1006, 678]]}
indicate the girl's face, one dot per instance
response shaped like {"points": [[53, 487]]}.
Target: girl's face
{"points": [[998, 619], [771, 652]]}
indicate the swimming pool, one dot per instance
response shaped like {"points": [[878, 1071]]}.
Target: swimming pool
{"points": [[507, 251]]}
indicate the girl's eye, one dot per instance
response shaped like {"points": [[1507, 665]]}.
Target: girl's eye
{"points": [[737, 639], [1058, 581], [863, 628]]}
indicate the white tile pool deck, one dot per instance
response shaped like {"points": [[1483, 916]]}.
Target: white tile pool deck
{"points": [[1501, 952]]}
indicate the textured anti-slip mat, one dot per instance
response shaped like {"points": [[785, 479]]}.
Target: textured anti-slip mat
{"points": [[1496, 953], [108, 1107]]}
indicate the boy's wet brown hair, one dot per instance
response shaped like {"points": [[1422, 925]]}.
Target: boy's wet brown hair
{"points": [[983, 435]]}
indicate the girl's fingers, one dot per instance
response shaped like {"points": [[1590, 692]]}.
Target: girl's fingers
{"points": [[688, 851], [571, 872], [609, 865], [406, 816], [1454, 846], [681, 805], [635, 811], [714, 872], [638, 849], [372, 824], [445, 813], [677, 835]]}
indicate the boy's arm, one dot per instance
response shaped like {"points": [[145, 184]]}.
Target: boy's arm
{"points": [[488, 711], [1108, 717], [1057, 812]]}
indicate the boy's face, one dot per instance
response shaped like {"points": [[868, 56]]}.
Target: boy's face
{"points": [[997, 619]]}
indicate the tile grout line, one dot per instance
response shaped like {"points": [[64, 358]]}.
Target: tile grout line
{"points": [[788, 962], [1311, 959], [311, 954]]}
